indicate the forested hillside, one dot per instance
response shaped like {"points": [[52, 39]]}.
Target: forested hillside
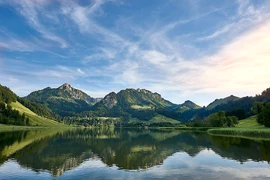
{"points": [[14, 113]]}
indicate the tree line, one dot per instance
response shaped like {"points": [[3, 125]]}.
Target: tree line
{"points": [[12, 116], [219, 119], [263, 113]]}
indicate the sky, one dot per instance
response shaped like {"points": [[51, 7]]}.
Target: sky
{"points": [[195, 50]]}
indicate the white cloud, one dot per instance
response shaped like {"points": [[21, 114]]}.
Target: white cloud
{"points": [[240, 67], [80, 71], [16, 45], [243, 64], [155, 57], [219, 32], [32, 10], [246, 17], [84, 18]]}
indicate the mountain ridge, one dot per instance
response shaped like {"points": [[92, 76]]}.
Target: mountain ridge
{"points": [[132, 96], [220, 101], [137, 105], [65, 96]]}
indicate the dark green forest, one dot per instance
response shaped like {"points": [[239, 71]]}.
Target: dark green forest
{"points": [[11, 116]]}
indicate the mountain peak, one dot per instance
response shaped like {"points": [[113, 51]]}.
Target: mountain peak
{"points": [[65, 96], [187, 105], [66, 86], [188, 101]]}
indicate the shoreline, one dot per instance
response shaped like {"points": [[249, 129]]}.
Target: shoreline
{"points": [[249, 133], [241, 132], [8, 128]]}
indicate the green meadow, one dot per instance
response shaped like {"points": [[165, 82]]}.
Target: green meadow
{"points": [[247, 128], [35, 120]]}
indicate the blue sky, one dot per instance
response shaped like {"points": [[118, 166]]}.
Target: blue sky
{"points": [[183, 49]]}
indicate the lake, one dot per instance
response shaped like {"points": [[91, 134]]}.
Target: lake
{"points": [[130, 154]]}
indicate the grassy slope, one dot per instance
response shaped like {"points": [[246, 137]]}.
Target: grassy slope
{"points": [[35, 120], [247, 128], [156, 119], [140, 107], [250, 123], [160, 118]]}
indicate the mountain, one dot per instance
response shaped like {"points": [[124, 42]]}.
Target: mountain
{"points": [[138, 104], [135, 99], [232, 105], [64, 100], [218, 102], [135, 107], [187, 105]]}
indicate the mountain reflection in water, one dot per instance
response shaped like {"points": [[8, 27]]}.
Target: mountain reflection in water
{"points": [[124, 149]]}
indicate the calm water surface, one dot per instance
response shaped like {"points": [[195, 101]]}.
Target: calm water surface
{"points": [[130, 154]]}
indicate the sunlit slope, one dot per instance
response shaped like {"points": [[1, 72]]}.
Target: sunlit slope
{"points": [[249, 123], [35, 120], [156, 119]]}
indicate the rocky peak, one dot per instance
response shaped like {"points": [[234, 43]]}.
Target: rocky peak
{"points": [[110, 100], [66, 86], [145, 91]]}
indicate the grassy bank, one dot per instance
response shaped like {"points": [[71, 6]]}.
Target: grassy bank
{"points": [[4, 127], [247, 128], [184, 128], [243, 132]]}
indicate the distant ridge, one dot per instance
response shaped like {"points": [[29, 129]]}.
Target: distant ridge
{"points": [[187, 105], [225, 100]]}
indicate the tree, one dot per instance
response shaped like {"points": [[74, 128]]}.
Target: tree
{"points": [[2, 106], [257, 107], [264, 116]]}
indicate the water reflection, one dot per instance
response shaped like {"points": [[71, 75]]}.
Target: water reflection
{"points": [[127, 149]]}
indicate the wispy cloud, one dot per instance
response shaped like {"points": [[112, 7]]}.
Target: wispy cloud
{"points": [[239, 67], [246, 17], [16, 45], [32, 10], [194, 53], [242, 63], [83, 17]]}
